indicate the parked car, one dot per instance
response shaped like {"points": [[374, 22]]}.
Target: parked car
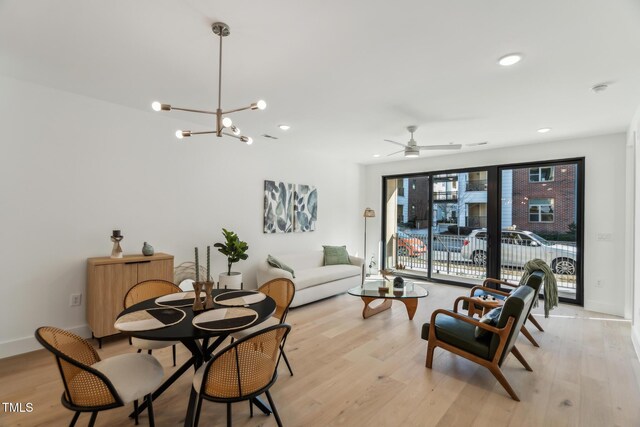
{"points": [[520, 246], [410, 245]]}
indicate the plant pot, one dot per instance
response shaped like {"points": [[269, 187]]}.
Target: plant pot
{"points": [[232, 281]]}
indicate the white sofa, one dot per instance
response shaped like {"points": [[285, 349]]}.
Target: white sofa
{"points": [[314, 280]]}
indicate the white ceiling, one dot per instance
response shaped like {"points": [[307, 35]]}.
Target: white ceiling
{"points": [[346, 74]]}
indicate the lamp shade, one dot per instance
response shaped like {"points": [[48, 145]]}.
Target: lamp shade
{"points": [[369, 213]]}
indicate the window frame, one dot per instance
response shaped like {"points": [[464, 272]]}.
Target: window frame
{"points": [[540, 212], [539, 169]]}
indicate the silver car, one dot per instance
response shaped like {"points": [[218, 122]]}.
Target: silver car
{"points": [[518, 247]]}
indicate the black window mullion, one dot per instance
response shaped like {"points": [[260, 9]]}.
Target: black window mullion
{"points": [[493, 222]]}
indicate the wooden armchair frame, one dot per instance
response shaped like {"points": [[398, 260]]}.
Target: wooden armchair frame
{"points": [[492, 365]]}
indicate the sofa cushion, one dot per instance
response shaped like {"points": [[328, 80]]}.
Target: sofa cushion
{"points": [[334, 255], [274, 262], [319, 275]]}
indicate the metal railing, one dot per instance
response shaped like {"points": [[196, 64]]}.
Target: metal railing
{"points": [[445, 195], [448, 258], [477, 185]]}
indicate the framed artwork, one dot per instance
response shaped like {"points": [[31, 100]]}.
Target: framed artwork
{"points": [[305, 208], [278, 207]]}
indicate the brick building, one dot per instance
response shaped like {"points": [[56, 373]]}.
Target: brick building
{"points": [[544, 198]]}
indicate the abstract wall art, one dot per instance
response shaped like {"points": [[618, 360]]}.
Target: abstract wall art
{"points": [[278, 207], [305, 208]]}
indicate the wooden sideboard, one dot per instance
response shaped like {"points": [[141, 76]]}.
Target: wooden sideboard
{"points": [[109, 279]]}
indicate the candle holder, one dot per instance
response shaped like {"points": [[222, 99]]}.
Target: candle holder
{"points": [[197, 303], [116, 237], [208, 302]]}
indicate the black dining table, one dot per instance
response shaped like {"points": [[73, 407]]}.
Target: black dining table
{"points": [[190, 336]]}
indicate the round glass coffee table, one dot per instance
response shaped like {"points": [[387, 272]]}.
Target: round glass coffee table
{"points": [[369, 292]]}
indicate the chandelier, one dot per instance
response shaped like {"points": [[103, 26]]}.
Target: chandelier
{"points": [[224, 125]]}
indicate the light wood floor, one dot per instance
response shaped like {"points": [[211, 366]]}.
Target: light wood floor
{"points": [[355, 372]]}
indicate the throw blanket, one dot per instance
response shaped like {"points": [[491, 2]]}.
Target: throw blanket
{"points": [[550, 284]]}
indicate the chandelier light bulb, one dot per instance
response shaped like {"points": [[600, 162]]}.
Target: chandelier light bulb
{"points": [[260, 105], [226, 122], [156, 106], [235, 130], [179, 134], [246, 139]]}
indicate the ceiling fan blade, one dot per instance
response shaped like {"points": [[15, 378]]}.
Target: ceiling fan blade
{"points": [[393, 142], [401, 151], [441, 147]]}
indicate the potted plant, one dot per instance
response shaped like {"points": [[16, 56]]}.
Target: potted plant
{"points": [[235, 250]]}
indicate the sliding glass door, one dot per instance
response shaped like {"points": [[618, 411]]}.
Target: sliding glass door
{"points": [[462, 226]]}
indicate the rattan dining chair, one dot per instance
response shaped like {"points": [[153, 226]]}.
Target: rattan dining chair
{"points": [[282, 291], [144, 291], [92, 384], [241, 371]]}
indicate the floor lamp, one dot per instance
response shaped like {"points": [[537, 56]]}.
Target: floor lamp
{"points": [[368, 213]]}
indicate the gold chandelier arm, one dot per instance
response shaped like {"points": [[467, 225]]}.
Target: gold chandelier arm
{"points": [[203, 132], [237, 109], [192, 110]]}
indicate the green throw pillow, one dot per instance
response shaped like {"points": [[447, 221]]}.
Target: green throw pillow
{"points": [[273, 262], [491, 319], [334, 255]]}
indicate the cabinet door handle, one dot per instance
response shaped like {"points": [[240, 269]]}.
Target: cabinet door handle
{"points": [[137, 262]]}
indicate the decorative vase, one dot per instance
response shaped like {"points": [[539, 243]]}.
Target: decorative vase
{"points": [[197, 302], [147, 249], [230, 281], [116, 237], [208, 302]]}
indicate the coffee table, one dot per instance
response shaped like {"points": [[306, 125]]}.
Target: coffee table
{"points": [[369, 292]]}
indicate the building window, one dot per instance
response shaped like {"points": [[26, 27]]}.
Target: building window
{"points": [[543, 174], [541, 210]]}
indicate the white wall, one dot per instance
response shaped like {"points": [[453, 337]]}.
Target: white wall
{"points": [[633, 140], [604, 204], [75, 168]]}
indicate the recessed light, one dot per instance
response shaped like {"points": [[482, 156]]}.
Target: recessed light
{"points": [[284, 127], [544, 130], [510, 59], [376, 155]]}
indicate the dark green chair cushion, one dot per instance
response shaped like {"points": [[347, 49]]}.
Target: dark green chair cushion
{"points": [[274, 262], [459, 334], [334, 255]]}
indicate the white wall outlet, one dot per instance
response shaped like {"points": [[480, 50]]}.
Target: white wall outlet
{"points": [[604, 237], [75, 299]]}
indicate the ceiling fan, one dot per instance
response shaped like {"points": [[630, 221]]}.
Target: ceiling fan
{"points": [[412, 149]]}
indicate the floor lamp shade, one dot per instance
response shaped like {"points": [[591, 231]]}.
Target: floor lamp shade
{"points": [[368, 213]]}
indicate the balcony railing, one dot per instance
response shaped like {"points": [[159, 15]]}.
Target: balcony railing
{"points": [[477, 185], [445, 195]]}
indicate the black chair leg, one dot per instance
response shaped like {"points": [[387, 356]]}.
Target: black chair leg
{"points": [[148, 351], [284, 356], [273, 408], [251, 408], [198, 408], [75, 418], [174, 355], [92, 421], [135, 410], [228, 414], [152, 421]]}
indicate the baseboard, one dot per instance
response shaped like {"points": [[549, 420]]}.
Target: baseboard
{"points": [[606, 308], [27, 344], [635, 339]]}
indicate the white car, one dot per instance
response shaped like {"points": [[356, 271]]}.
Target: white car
{"points": [[518, 247]]}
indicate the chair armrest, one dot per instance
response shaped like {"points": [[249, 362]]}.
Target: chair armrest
{"points": [[498, 282], [476, 301], [463, 318], [491, 290]]}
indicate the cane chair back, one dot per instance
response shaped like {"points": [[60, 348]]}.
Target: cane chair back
{"points": [[246, 367], [149, 289], [84, 386], [282, 291]]}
